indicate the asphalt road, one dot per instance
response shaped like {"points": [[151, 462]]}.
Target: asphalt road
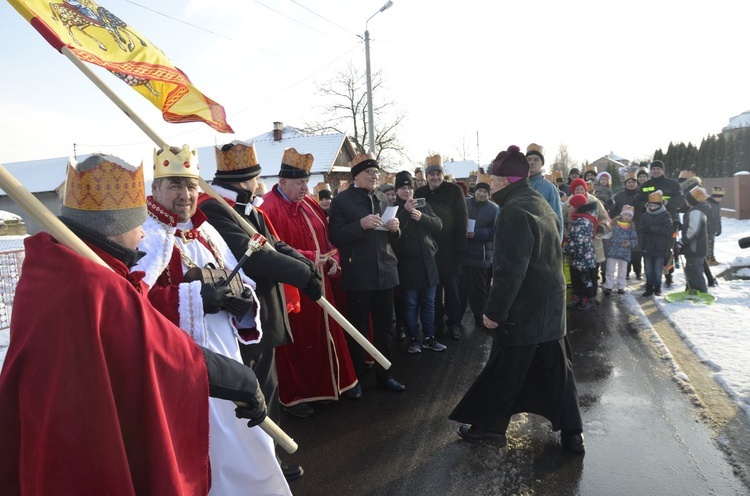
{"points": [[643, 434]]}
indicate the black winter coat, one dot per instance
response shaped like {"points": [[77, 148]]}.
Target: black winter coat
{"points": [[480, 247], [674, 196], [626, 197], [714, 218], [448, 203], [368, 262], [268, 268], [528, 288], [416, 249], [655, 233]]}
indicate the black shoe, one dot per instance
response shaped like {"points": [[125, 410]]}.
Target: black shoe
{"points": [[647, 293], [291, 472], [607, 292], [638, 276], [657, 292], [456, 332], [476, 435], [620, 291], [401, 335], [392, 385], [301, 410], [355, 393], [712, 283], [572, 442]]}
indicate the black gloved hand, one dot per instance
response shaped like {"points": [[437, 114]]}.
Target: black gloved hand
{"points": [[213, 297], [255, 410], [240, 305], [314, 287]]}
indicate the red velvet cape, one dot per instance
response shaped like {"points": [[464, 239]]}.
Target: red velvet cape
{"points": [[317, 365], [99, 393]]}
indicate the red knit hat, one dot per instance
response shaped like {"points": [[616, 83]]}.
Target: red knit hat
{"points": [[578, 200], [578, 182]]}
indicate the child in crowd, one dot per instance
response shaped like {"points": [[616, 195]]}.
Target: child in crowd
{"points": [[603, 190], [654, 235], [581, 252], [618, 247]]}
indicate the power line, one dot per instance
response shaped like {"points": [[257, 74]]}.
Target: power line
{"points": [[295, 20], [324, 18]]}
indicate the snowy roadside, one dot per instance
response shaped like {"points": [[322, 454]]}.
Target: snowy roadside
{"points": [[718, 334]]}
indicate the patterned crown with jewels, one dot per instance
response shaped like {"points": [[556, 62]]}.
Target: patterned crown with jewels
{"points": [[239, 157], [298, 160], [111, 185], [176, 162]]}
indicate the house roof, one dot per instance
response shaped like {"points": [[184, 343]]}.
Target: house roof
{"points": [[40, 176], [461, 168], [325, 148], [739, 121]]}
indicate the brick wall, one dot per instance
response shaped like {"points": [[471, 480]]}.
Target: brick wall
{"points": [[736, 202]]}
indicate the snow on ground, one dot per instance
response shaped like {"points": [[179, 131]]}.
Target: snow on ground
{"points": [[719, 334]]}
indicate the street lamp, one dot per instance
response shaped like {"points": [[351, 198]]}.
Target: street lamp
{"points": [[370, 118]]}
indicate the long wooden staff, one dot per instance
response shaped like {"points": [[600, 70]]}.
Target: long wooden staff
{"points": [[246, 226]]}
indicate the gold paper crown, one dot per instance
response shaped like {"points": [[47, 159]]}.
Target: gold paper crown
{"points": [[484, 178], [298, 160], [361, 157], [473, 174], [433, 160], [535, 148], [717, 191], [556, 174], [548, 177], [590, 168], [320, 187], [641, 170], [343, 186], [240, 156], [631, 175], [684, 174], [627, 209], [176, 162], [656, 197], [111, 184]]}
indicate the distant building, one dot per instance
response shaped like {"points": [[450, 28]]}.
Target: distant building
{"points": [[612, 161], [736, 123], [460, 169]]}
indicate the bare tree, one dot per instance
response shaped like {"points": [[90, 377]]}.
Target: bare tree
{"points": [[463, 149], [563, 162], [345, 111]]}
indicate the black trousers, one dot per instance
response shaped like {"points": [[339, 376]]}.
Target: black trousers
{"points": [[636, 257], [584, 282], [262, 359], [473, 286], [364, 305]]}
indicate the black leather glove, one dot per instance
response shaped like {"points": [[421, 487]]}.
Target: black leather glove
{"points": [[213, 297], [255, 410], [240, 305], [314, 287]]}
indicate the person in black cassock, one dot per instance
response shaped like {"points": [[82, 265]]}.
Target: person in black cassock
{"points": [[529, 369]]}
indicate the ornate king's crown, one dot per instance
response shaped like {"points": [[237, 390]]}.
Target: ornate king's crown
{"points": [[433, 160], [112, 184], [297, 160], [176, 162], [240, 156]]}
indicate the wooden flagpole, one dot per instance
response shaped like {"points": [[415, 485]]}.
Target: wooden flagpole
{"points": [[246, 226]]}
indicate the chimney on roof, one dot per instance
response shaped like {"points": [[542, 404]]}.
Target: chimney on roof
{"points": [[278, 128]]}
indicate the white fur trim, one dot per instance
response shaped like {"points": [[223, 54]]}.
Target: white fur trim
{"points": [[158, 245]]}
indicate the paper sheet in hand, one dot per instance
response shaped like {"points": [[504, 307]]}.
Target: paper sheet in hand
{"points": [[472, 224], [390, 213]]}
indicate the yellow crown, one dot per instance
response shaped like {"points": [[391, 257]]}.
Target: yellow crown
{"points": [[320, 187], [631, 175], [484, 178], [433, 160], [361, 157], [556, 174], [591, 168], [473, 174], [297, 160], [238, 157], [656, 197], [111, 184], [535, 148], [176, 162]]}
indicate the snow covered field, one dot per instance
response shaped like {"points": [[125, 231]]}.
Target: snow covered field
{"points": [[719, 334]]}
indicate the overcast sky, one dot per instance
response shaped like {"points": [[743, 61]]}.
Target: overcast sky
{"points": [[627, 77]]}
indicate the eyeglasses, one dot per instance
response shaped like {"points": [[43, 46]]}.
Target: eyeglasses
{"points": [[371, 172]]}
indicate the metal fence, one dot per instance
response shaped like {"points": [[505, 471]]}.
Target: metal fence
{"points": [[11, 259]]}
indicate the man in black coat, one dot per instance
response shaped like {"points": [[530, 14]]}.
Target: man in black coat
{"points": [[448, 202], [674, 199], [529, 369], [368, 264], [236, 181]]}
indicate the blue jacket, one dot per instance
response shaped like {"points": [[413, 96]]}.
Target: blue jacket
{"points": [[623, 240], [550, 193], [479, 248], [655, 232]]}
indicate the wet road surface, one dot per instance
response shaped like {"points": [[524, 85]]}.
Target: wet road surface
{"points": [[643, 436]]}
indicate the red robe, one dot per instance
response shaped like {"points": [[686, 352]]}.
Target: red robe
{"points": [[99, 393], [317, 365]]}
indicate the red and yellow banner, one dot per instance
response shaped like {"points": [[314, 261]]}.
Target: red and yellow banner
{"points": [[96, 35]]}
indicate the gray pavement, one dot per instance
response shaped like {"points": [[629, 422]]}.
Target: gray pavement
{"points": [[644, 435]]}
